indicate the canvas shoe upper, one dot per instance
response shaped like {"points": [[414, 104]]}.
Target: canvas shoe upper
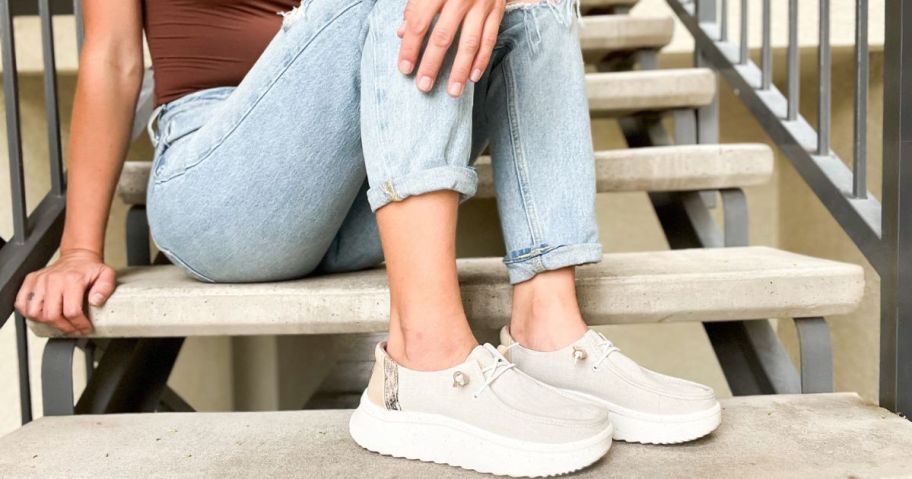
{"points": [[483, 414], [645, 406]]}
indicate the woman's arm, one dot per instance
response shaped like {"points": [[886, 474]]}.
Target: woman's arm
{"points": [[110, 76]]}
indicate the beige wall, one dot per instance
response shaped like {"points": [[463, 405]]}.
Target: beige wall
{"points": [[784, 213]]}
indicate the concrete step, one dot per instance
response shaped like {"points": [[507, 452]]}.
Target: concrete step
{"points": [[826, 435], [601, 6], [604, 35], [624, 93], [667, 168], [680, 285]]}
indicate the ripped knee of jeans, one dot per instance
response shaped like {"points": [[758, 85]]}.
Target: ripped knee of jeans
{"points": [[563, 12], [294, 15]]}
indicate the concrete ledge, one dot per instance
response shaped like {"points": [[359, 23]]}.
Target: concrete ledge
{"points": [[684, 168], [827, 435], [681, 285], [602, 35], [670, 168], [623, 93]]}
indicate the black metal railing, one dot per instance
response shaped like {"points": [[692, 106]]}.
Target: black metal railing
{"points": [[881, 229], [36, 231]]}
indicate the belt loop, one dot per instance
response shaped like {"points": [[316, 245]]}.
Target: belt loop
{"points": [[153, 136]]}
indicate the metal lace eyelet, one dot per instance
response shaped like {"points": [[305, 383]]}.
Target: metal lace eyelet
{"points": [[460, 379], [579, 354]]}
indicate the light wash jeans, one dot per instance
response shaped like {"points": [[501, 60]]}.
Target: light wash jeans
{"points": [[278, 178]]}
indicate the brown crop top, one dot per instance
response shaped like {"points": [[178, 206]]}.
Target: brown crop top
{"points": [[199, 44]]}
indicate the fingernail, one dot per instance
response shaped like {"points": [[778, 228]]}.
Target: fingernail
{"points": [[405, 67], [476, 75], [455, 89], [96, 299], [425, 83]]}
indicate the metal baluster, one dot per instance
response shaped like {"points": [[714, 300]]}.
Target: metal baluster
{"points": [[794, 63], [25, 383], [860, 157], [824, 93], [13, 136], [50, 97], [744, 57], [766, 56]]}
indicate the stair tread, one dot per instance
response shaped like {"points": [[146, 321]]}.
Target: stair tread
{"points": [[614, 94], [603, 34], [588, 4], [665, 168], [668, 168], [820, 435], [681, 285]]}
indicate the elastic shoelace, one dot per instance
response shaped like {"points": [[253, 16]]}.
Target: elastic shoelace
{"points": [[496, 370], [606, 349]]}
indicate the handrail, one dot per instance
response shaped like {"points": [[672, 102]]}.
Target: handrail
{"points": [[36, 236], [875, 227]]}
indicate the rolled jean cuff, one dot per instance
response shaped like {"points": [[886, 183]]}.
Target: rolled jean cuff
{"points": [[523, 264], [461, 179]]}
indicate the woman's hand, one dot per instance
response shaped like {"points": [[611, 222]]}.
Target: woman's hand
{"points": [[475, 21], [55, 295]]}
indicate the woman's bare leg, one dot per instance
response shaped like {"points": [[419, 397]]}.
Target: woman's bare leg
{"points": [[546, 315], [428, 327]]}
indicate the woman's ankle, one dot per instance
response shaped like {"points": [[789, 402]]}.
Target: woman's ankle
{"points": [[430, 350], [546, 314]]}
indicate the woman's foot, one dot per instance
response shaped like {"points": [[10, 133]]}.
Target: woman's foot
{"points": [[645, 406], [481, 414]]}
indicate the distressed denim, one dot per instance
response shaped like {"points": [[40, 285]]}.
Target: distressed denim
{"points": [[279, 177]]}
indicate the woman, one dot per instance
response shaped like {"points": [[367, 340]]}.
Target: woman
{"points": [[345, 142]]}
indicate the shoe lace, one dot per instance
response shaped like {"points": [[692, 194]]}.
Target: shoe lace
{"points": [[492, 372], [606, 348]]}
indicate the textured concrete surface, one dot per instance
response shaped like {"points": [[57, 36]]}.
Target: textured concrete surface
{"points": [[832, 435], [670, 168], [601, 35], [682, 285], [616, 94]]}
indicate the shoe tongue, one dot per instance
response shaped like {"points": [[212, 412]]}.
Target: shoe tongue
{"points": [[486, 355]]}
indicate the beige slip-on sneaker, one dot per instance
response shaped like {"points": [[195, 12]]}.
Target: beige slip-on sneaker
{"points": [[645, 406], [483, 414]]}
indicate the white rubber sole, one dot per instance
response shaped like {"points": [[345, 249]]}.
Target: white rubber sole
{"points": [[647, 428], [435, 438]]}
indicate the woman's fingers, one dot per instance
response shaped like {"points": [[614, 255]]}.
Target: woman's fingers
{"points": [[488, 41], [439, 42], [56, 295], [418, 17], [102, 287], [469, 44], [36, 298], [26, 293], [73, 311], [476, 22], [52, 304]]}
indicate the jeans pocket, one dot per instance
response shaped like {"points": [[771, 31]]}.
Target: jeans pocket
{"points": [[176, 127]]}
